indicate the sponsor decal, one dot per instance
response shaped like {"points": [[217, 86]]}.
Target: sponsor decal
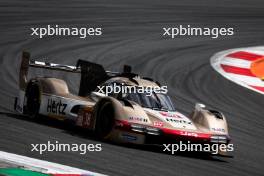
{"points": [[56, 107], [158, 124], [85, 119], [166, 114], [178, 121], [218, 129], [185, 133], [138, 119]]}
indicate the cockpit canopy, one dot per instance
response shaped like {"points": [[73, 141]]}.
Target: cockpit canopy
{"points": [[156, 101]]}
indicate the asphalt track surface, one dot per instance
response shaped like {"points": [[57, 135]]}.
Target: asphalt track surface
{"points": [[133, 35]]}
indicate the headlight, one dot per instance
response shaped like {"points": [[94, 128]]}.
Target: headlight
{"points": [[137, 128], [153, 131], [218, 139], [142, 129]]}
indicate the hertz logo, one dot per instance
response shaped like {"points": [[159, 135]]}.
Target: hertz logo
{"points": [[177, 121], [56, 107]]}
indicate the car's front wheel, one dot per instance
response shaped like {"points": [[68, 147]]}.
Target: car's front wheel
{"points": [[104, 120]]}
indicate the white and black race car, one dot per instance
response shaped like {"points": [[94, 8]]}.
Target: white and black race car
{"points": [[129, 117]]}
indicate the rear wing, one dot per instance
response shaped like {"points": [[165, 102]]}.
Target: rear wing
{"points": [[67, 68], [26, 63], [92, 74]]}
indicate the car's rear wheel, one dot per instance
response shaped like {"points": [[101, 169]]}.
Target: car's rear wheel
{"points": [[32, 100], [104, 120]]}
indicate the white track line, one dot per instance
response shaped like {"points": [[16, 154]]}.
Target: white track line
{"points": [[42, 166], [246, 79], [236, 62]]}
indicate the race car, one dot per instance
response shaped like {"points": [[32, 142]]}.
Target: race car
{"points": [[126, 117]]}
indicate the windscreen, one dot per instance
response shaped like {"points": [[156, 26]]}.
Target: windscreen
{"points": [[156, 101]]}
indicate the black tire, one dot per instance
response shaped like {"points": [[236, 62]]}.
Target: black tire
{"points": [[33, 100], [104, 120]]}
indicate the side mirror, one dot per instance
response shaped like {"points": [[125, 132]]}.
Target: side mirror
{"points": [[97, 95], [199, 106]]}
